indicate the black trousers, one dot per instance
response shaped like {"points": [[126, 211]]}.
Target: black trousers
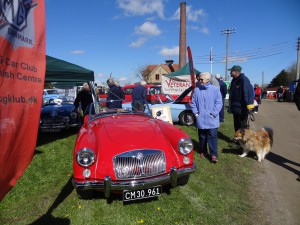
{"points": [[240, 121], [138, 106]]}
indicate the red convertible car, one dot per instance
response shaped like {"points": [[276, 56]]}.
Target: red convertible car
{"points": [[129, 152]]}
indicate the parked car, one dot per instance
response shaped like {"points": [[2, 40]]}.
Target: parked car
{"points": [[50, 95], [129, 152], [153, 91], [59, 115], [180, 110]]}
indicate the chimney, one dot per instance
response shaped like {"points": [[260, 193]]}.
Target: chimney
{"points": [[169, 63], [182, 35]]}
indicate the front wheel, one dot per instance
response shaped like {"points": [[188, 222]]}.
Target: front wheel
{"points": [[187, 118]]}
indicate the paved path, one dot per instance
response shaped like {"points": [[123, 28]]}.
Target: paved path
{"points": [[275, 188]]}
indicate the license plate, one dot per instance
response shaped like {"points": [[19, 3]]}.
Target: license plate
{"points": [[130, 195]]}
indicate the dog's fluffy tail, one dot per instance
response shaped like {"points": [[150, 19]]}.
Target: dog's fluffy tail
{"points": [[270, 132]]}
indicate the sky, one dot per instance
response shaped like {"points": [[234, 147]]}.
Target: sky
{"points": [[119, 37]]}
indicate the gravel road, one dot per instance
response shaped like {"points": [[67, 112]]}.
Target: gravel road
{"points": [[276, 191]]}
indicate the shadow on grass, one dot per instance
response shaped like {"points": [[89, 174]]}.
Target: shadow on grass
{"points": [[283, 162], [47, 218], [45, 138], [225, 138]]}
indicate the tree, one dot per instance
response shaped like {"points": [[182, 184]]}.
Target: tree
{"points": [[292, 70], [143, 73], [285, 77]]}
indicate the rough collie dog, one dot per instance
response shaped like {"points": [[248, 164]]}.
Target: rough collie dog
{"points": [[259, 142]]}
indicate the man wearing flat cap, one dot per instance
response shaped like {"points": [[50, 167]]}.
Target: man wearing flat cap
{"points": [[241, 97]]}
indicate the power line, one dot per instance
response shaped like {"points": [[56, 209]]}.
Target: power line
{"points": [[246, 55]]}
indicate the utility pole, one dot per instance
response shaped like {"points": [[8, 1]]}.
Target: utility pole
{"points": [[227, 32]]}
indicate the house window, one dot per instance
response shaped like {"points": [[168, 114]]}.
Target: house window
{"points": [[156, 76]]}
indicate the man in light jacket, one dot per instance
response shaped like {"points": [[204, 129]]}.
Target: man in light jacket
{"points": [[206, 105]]}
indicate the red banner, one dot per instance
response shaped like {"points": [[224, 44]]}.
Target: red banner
{"points": [[22, 76]]}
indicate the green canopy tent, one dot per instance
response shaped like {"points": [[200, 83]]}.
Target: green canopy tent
{"points": [[185, 70], [58, 70]]}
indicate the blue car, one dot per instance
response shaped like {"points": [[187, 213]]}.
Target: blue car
{"points": [[50, 95], [180, 111], [59, 115]]}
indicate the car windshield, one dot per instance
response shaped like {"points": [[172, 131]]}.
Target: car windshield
{"points": [[109, 108]]}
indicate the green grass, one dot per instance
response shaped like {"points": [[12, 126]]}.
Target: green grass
{"points": [[215, 193]]}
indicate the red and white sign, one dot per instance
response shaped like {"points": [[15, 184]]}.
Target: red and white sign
{"points": [[175, 85], [22, 76]]}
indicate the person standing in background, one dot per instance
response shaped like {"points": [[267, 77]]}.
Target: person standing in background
{"points": [[223, 89], [257, 97], [115, 94], [139, 96], [84, 97], [279, 93], [240, 98]]}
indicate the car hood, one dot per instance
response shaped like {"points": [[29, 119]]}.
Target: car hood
{"points": [[116, 134], [123, 131]]}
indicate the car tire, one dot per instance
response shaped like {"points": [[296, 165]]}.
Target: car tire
{"points": [[187, 118], [183, 180], [87, 194]]}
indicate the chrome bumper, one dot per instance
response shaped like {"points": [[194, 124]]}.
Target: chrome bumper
{"points": [[59, 126], [107, 186]]}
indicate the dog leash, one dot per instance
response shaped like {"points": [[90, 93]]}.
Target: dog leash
{"points": [[251, 117]]}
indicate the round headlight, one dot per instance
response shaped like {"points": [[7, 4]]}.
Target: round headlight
{"points": [[85, 157], [73, 115], [185, 146]]}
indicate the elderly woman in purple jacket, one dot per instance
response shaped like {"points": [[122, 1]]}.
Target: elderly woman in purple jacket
{"points": [[206, 105]]}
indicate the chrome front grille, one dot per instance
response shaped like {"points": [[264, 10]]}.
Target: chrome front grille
{"points": [[139, 164]]}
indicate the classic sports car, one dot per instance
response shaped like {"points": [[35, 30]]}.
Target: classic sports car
{"points": [[180, 111], [59, 114], [129, 152]]}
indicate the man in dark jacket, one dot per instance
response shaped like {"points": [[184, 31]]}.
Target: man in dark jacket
{"points": [[139, 96], [223, 89], [279, 93], [241, 98], [115, 94], [85, 98]]}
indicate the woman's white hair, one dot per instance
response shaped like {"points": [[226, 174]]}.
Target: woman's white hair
{"points": [[206, 75]]}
